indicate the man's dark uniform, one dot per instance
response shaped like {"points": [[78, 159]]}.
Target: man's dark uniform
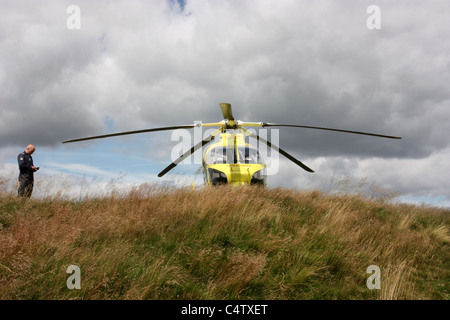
{"points": [[26, 179]]}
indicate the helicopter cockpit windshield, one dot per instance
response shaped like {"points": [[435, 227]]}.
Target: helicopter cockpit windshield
{"points": [[222, 155], [249, 155], [227, 155]]}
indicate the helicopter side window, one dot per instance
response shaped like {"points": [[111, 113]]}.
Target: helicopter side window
{"points": [[217, 177], [259, 178]]}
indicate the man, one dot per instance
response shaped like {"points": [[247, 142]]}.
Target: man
{"points": [[27, 169]]}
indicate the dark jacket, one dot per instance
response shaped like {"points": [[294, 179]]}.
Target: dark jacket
{"points": [[25, 163]]}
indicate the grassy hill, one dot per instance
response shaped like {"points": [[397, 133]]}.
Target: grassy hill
{"points": [[222, 243]]}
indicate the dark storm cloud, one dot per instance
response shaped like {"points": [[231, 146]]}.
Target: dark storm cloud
{"points": [[43, 93]]}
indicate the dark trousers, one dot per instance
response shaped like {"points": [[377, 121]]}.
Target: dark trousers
{"points": [[25, 187]]}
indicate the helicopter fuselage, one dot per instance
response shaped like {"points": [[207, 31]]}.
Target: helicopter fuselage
{"points": [[232, 160]]}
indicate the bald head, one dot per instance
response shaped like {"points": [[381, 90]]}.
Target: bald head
{"points": [[30, 149]]}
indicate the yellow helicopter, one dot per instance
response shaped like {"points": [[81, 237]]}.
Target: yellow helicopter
{"points": [[231, 159]]}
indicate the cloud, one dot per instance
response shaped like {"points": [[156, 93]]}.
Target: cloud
{"points": [[411, 178], [141, 64]]}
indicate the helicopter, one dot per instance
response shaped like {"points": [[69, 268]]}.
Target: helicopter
{"points": [[231, 160]]}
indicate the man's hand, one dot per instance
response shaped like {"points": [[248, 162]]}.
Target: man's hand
{"points": [[35, 168]]}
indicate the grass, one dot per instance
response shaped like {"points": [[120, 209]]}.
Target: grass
{"points": [[222, 243]]}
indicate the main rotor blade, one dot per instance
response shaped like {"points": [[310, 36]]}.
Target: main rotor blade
{"points": [[189, 152], [278, 149], [226, 111], [131, 132], [329, 129]]}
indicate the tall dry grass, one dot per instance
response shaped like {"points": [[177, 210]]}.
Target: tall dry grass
{"points": [[222, 243]]}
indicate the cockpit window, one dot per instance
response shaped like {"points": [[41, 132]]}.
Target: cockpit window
{"points": [[227, 155], [249, 155], [221, 155]]}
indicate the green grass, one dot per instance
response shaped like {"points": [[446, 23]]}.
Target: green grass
{"points": [[222, 243]]}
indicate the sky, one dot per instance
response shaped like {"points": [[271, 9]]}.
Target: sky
{"points": [[129, 65]]}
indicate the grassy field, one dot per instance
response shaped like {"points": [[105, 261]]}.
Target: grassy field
{"points": [[222, 243]]}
